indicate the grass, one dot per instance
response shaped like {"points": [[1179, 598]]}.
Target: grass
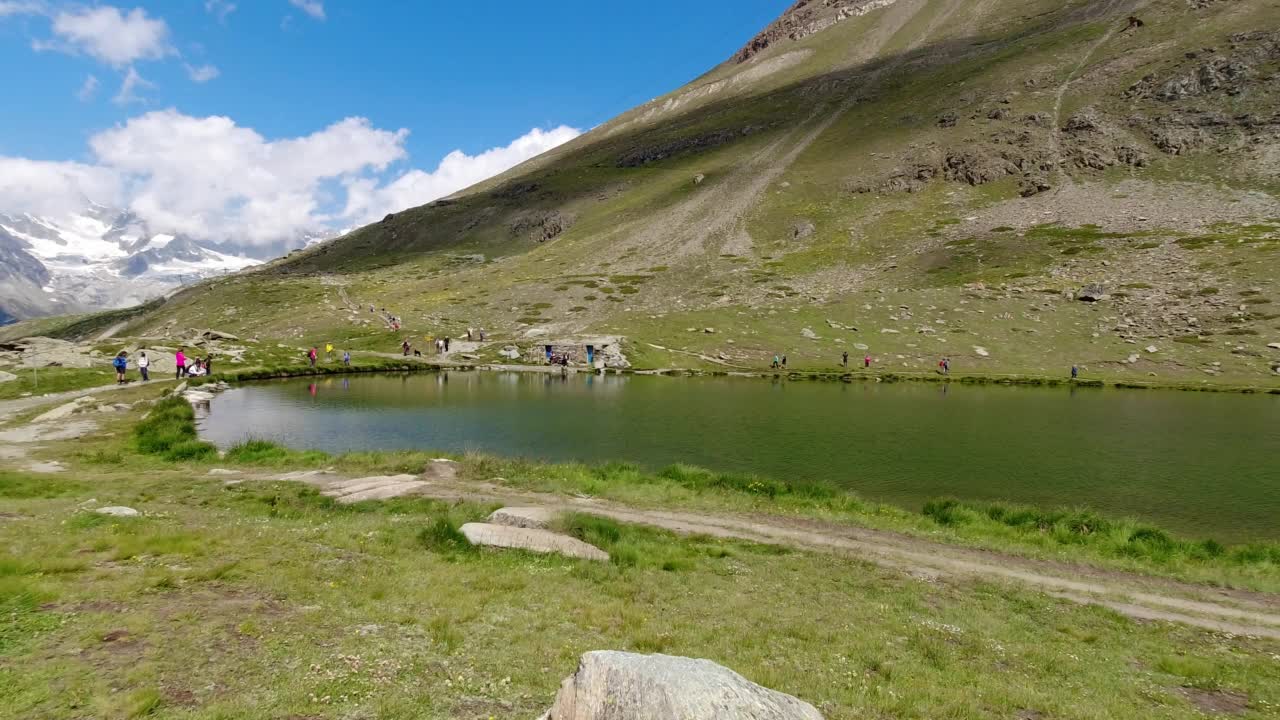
{"points": [[1124, 538], [169, 431], [42, 381], [380, 608], [383, 607]]}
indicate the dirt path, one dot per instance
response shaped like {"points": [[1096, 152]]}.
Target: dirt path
{"points": [[10, 408], [1136, 596]]}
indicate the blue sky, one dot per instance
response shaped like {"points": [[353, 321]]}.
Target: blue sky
{"points": [[469, 76]]}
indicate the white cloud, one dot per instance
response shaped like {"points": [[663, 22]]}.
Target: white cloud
{"points": [[219, 8], [314, 8], [54, 188], [88, 89], [210, 178], [202, 74], [368, 201], [15, 7], [129, 87], [111, 36]]}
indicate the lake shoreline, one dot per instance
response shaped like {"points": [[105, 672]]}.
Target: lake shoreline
{"points": [[795, 375]]}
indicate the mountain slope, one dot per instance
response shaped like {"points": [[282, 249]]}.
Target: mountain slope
{"points": [[943, 175]]}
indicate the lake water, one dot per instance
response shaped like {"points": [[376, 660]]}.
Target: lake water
{"points": [[1205, 464]]}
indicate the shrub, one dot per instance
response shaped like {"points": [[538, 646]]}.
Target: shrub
{"points": [[170, 432], [256, 451], [443, 535]]}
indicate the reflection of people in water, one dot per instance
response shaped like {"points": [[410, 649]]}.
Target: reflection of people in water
{"points": [[312, 389]]}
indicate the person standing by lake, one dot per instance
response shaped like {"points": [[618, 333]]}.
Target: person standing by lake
{"points": [[1075, 372], [311, 356], [180, 363], [866, 362], [144, 366], [346, 358], [208, 364], [844, 359]]}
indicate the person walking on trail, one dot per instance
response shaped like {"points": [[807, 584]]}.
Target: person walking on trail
{"points": [[784, 362], [1075, 372], [180, 363], [844, 359], [404, 347], [866, 361], [346, 358], [144, 365], [775, 364], [946, 366], [446, 344], [328, 351], [121, 364], [208, 364], [311, 356], [469, 336]]}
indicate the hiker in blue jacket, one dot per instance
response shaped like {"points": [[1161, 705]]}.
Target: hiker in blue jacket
{"points": [[121, 363]]}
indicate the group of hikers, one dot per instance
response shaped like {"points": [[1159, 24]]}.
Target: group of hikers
{"points": [[781, 362], [443, 345], [313, 355], [844, 360], [183, 366]]}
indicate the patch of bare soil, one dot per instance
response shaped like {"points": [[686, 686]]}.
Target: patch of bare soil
{"points": [[1216, 702]]}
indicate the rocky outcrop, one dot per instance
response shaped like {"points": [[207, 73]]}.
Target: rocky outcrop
{"points": [[1092, 293], [612, 685], [378, 487], [541, 226], [523, 517], [803, 19], [662, 150], [531, 540]]}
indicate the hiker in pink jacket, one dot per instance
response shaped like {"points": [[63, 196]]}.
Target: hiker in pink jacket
{"points": [[180, 362]]}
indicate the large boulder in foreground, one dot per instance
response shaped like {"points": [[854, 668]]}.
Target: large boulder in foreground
{"points": [[625, 686]]}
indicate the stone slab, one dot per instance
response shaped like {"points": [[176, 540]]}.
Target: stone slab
{"points": [[531, 540]]}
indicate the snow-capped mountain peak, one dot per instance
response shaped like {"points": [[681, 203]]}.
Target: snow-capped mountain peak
{"points": [[102, 258]]}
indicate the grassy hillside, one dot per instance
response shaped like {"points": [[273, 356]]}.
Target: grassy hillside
{"points": [[909, 179]]}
